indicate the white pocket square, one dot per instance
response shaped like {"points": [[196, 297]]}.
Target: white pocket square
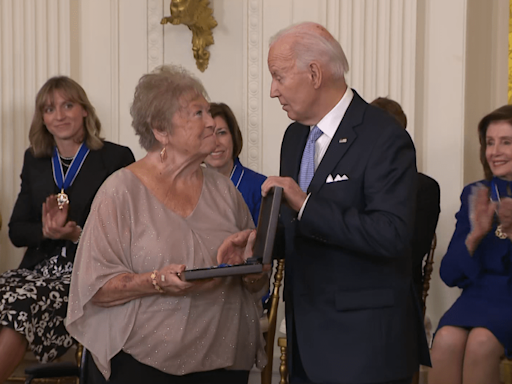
{"points": [[330, 179]]}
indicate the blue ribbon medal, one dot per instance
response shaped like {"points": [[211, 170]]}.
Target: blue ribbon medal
{"points": [[58, 174], [495, 196]]}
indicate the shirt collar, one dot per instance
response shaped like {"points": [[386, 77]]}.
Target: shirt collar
{"points": [[330, 122]]}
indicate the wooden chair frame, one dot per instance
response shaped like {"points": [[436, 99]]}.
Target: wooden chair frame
{"points": [[266, 373]]}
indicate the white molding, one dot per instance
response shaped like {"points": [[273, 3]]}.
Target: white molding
{"points": [[114, 70], [408, 99], [34, 45], [254, 76], [155, 34], [64, 28]]}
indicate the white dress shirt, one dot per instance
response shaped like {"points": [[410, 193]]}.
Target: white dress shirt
{"points": [[328, 125]]}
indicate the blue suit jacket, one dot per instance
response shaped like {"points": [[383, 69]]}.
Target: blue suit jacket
{"points": [[348, 287], [248, 184]]}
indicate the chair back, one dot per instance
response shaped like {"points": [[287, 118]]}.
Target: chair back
{"points": [[266, 374], [427, 272], [81, 359]]}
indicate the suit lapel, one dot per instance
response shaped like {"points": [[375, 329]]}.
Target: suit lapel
{"points": [[300, 135], [343, 138]]}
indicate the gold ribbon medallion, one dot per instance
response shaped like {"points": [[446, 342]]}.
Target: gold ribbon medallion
{"points": [[62, 199], [499, 233]]}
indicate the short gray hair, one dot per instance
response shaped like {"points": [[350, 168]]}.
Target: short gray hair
{"points": [[310, 45], [158, 96]]}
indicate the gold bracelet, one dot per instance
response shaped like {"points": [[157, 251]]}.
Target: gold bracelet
{"points": [[154, 282], [79, 236]]}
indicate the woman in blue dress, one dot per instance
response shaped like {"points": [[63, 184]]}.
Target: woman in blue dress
{"points": [[476, 331], [225, 158]]}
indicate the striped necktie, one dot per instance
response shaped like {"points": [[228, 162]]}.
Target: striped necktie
{"points": [[307, 164]]}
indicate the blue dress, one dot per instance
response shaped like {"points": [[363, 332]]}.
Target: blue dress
{"points": [[248, 184], [485, 277]]}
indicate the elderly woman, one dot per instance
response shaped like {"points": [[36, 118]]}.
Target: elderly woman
{"points": [[149, 222], [65, 165], [224, 158], [476, 331]]}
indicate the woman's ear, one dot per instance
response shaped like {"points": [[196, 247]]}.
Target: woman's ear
{"points": [[161, 136]]}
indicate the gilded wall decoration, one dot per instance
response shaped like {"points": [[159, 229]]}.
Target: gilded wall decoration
{"points": [[198, 17]]}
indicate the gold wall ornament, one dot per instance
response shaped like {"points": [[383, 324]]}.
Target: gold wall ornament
{"points": [[198, 17]]}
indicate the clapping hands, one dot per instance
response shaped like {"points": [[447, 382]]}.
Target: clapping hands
{"points": [[481, 212], [505, 216], [55, 224]]}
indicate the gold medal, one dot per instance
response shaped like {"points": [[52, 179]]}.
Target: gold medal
{"points": [[499, 233], [62, 199]]}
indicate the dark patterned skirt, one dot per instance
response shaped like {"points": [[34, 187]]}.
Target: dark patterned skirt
{"points": [[34, 303]]}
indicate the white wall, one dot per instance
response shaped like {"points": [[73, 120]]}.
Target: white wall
{"points": [[34, 45], [422, 53]]}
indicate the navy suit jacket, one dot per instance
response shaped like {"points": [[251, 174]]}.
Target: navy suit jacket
{"points": [[348, 289], [37, 183]]}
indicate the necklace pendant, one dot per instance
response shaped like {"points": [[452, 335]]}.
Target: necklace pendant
{"points": [[499, 233], [62, 199]]}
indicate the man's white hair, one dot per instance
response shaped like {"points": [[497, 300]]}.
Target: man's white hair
{"points": [[310, 45]]}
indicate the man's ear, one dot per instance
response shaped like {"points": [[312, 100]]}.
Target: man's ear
{"points": [[315, 72]]}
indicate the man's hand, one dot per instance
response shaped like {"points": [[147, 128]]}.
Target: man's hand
{"points": [[237, 248], [293, 194]]}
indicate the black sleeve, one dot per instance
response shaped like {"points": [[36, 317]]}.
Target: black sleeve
{"points": [[427, 215], [25, 225]]}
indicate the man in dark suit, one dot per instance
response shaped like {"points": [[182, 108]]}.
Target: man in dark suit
{"points": [[348, 171], [428, 201]]}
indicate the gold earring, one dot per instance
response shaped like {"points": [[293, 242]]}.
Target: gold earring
{"points": [[163, 154]]}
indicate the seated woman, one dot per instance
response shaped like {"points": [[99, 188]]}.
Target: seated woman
{"points": [[475, 332], [149, 222], [65, 165], [225, 159]]}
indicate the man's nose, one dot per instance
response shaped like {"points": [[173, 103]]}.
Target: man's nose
{"points": [[274, 92]]}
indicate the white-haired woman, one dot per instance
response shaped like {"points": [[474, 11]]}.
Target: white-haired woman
{"points": [[149, 222]]}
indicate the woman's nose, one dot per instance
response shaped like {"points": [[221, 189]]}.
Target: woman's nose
{"points": [[210, 122], [59, 114]]}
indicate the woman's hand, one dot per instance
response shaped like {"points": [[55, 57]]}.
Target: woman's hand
{"points": [[237, 248], [169, 280], [55, 224], [256, 281], [505, 216], [481, 213]]}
